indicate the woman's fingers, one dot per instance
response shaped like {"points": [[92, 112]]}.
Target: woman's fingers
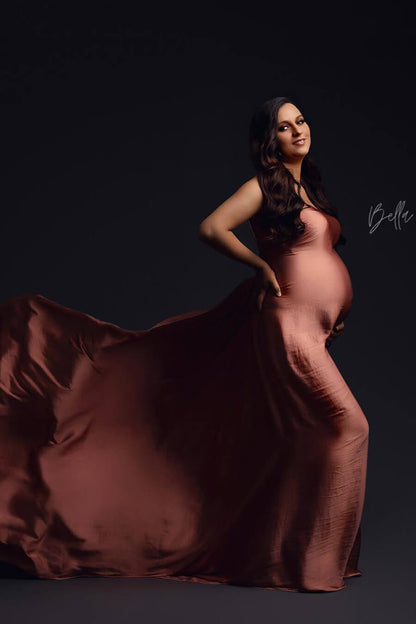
{"points": [[259, 292], [277, 289], [335, 331], [260, 300], [255, 301], [329, 339], [261, 296]]}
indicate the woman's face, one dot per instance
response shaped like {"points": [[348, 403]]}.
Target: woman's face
{"points": [[290, 128]]}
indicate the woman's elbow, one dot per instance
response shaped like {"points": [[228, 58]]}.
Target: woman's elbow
{"points": [[205, 231]]}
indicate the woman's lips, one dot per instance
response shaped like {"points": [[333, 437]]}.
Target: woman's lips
{"points": [[299, 142]]}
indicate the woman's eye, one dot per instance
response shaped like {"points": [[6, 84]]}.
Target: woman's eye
{"points": [[301, 121]]}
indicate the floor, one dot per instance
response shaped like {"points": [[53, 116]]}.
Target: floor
{"points": [[384, 594]]}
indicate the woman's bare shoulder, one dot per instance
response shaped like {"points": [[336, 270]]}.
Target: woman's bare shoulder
{"points": [[253, 185], [252, 193], [242, 205], [253, 190]]}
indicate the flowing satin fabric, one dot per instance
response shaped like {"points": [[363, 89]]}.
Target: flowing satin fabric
{"points": [[219, 446]]}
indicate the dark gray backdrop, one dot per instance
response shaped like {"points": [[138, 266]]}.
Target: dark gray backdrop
{"points": [[123, 126]]}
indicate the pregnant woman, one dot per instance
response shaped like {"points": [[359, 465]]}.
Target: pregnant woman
{"points": [[220, 445]]}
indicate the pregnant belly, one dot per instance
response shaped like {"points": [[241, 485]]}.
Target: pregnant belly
{"points": [[314, 278]]}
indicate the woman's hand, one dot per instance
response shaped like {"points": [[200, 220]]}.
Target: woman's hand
{"points": [[264, 280], [335, 331]]}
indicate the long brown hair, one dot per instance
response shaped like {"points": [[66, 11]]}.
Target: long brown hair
{"points": [[282, 202]]}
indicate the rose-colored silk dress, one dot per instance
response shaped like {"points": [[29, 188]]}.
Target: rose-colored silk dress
{"points": [[220, 445]]}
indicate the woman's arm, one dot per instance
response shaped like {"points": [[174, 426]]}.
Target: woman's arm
{"points": [[215, 230]]}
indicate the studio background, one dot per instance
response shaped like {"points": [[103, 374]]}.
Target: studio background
{"points": [[124, 126]]}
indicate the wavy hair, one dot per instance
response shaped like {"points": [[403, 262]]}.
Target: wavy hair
{"points": [[282, 203]]}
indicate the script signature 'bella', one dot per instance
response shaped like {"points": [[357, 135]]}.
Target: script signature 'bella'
{"points": [[395, 216]]}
